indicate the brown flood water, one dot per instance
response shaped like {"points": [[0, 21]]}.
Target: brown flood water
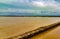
{"points": [[13, 26], [50, 34]]}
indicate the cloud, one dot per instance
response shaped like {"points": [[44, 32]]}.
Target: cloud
{"points": [[45, 3], [32, 2], [33, 6]]}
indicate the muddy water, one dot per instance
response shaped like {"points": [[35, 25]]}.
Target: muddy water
{"points": [[50, 34], [13, 26]]}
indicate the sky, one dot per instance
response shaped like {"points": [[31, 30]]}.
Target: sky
{"points": [[30, 6], [32, 2]]}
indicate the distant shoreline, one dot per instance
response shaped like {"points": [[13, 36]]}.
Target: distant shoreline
{"points": [[27, 16]]}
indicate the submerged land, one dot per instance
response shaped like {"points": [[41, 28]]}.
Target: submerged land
{"points": [[13, 26]]}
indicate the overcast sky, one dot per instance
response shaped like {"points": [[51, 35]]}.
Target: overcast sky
{"points": [[35, 4]]}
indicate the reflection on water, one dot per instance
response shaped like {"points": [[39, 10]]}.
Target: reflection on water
{"points": [[12, 26]]}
